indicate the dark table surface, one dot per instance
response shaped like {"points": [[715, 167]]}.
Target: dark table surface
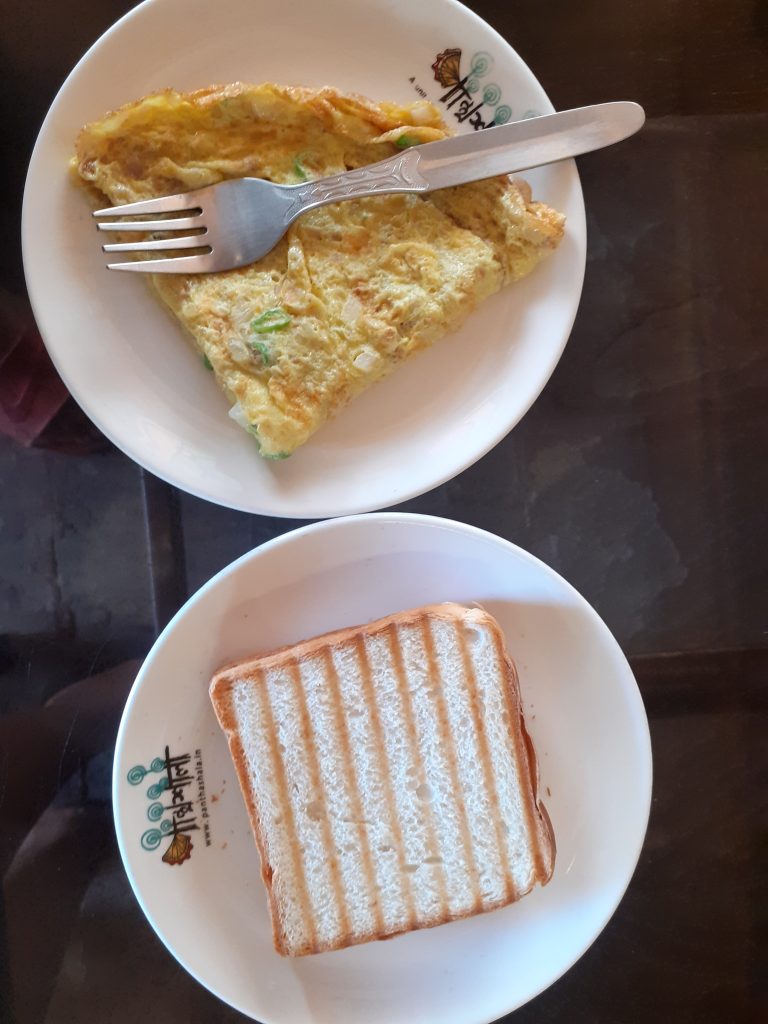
{"points": [[640, 475]]}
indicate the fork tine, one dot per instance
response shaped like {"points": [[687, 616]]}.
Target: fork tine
{"points": [[178, 265], [165, 204], [187, 242], [174, 224]]}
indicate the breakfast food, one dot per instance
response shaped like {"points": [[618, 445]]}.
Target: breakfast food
{"points": [[389, 778], [353, 288]]}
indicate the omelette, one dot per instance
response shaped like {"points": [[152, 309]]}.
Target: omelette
{"points": [[353, 288]]}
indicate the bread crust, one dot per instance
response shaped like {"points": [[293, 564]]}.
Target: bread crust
{"points": [[538, 822]]}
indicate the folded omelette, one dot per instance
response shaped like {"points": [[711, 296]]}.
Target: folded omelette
{"points": [[353, 288]]}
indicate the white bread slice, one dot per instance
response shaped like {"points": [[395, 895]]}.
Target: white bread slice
{"points": [[388, 775]]}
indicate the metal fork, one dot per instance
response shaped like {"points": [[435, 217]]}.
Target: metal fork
{"points": [[242, 219]]}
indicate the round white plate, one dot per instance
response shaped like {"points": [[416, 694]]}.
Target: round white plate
{"points": [[583, 711], [127, 362]]}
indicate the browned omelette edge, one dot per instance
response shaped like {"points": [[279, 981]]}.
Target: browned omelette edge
{"points": [[536, 817]]}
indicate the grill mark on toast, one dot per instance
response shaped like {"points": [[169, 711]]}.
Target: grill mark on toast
{"points": [[390, 632], [539, 808], [521, 756], [510, 890], [316, 782], [385, 774], [285, 801], [449, 748], [354, 788]]}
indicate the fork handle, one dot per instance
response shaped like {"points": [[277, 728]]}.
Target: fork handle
{"points": [[397, 174]]}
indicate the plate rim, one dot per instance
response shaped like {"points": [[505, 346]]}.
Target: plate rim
{"points": [[331, 507], [424, 521]]}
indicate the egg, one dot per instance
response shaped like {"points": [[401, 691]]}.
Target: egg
{"points": [[354, 288]]}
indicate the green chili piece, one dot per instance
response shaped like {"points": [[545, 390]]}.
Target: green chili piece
{"points": [[270, 320], [299, 170], [263, 351]]}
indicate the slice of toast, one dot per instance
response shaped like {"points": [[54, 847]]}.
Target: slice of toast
{"points": [[388, 775]]}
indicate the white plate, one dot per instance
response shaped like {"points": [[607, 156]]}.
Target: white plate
{"points": [[583, 710], [128, 364]]}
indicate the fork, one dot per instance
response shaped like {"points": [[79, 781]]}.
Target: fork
{"points": [[240, 220]]}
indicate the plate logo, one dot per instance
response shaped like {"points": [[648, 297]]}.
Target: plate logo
{"points": [[171, 806], [470, 95]]}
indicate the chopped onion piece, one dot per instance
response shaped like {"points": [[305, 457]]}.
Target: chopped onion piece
{"points": [[352, 309], [366, 359], [239, 351], [237, 413]]}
